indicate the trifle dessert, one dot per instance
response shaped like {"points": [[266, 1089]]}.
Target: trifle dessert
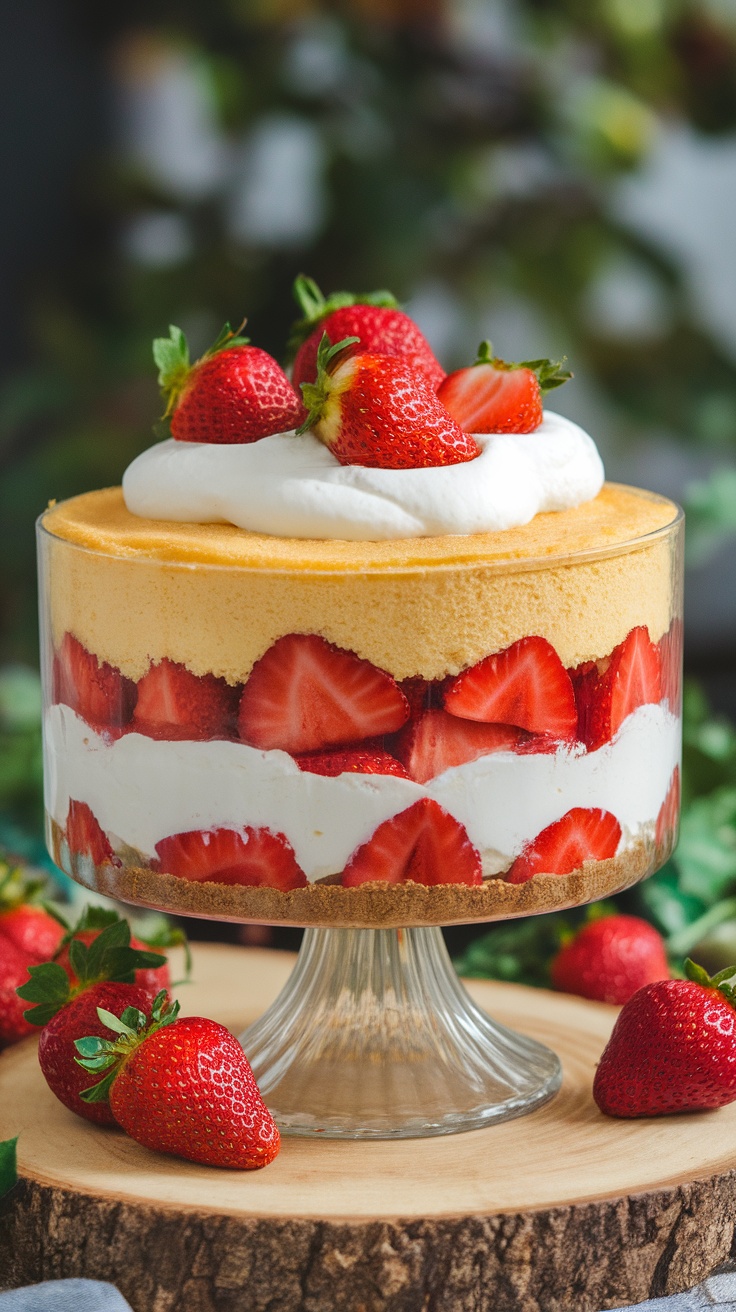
{"points": [[368, 646]]}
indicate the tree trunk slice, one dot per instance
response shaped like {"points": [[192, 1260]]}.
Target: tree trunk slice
{"points": [[558, 1211]]}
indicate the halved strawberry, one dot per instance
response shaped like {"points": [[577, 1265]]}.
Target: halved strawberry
{"points": [[173, 703], [526, 685], [351, 762], [670, 655], [95, 690], [609, 691], [582, 834], [669, 812], [492, 396], [258, 858], [424, 844], [435, 741], [305, 695], [85, 836]]}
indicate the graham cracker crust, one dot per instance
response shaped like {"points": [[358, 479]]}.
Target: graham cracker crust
{"points": [[371, 906]]}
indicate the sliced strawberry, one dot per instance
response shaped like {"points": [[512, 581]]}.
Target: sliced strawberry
{"points": [[583, 834], [95, 690], [306, 695], [257, 858], [436, 741], [85, 835], [526, 685], [670, 655], [352, 762], [608, 693], [173, 703], [492, 396], [669, 812], [424, 844]]}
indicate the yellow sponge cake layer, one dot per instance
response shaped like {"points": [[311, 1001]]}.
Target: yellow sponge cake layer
{"points": [[215, 597]]}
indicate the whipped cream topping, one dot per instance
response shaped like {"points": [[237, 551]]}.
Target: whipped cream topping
{"points": [[290, 486], [142, 790]]}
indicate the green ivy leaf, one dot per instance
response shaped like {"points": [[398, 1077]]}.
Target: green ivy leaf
{"points": [[8, 1165]]}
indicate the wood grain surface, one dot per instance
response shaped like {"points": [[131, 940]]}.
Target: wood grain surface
{"points": [[560, 1211]]}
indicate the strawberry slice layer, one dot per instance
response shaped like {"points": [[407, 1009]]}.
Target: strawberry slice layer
{"points": [[609, 692], [670, 655], [525, 685], [305, 695], [424, 844], [95, 690], [437, 741], [257, 858], [85, 835], [582, 834], [173, 703], [354, 762], [669, 812]]}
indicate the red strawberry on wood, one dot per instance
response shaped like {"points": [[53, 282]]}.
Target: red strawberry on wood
{"points": [[180, 1086], [173, 703], [525, 685], [373, 410], [256, 858], [582, 834], [609, 691], [492, 396], [375, 320], [95, 690], [609, 959], [673, 1048], [424, 844], [306, 695], [28, 936], [100, 973], [235, 393]]}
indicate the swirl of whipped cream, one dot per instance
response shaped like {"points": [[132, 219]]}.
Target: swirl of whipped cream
{"points": [[293, 487]]}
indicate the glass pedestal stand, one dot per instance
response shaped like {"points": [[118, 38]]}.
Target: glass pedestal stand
{"points": [[374, 1037]]}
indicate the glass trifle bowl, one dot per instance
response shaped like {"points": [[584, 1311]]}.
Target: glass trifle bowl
{"points": [[371, 740]]}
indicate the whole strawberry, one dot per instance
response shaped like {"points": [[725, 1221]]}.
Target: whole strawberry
{"points": [[374, 319], [103, 975], [491, 396], [28, 935], [374, 410], [181, 1087], [609, 959], [234, 393], [673, 1048]]}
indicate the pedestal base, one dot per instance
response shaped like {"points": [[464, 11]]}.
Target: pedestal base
{"points": [[374, 1037]]}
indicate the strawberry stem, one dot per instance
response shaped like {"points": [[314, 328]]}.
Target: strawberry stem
{"points": [[315, 394], [315, 307], [720, 982]]}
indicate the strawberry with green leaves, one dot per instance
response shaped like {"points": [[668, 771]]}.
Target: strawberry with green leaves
{"points": [[234, 393], [374, 320], [375, 410], [101, 973], [180, 1086], [672, 1049], [91, 923], [492, 396], [29, 934]]}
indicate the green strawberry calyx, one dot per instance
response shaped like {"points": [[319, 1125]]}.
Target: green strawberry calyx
{"points": [[98, 918], [550, 373], [316, 394], [109, 957], [132, 1029], [315, 307], [16, 889], [171, 356], [720, 982]]}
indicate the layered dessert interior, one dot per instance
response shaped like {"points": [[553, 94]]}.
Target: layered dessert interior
{"points": [[450, 692]]}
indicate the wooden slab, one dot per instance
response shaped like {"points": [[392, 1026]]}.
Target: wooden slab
{"points": [[562, 1210]]}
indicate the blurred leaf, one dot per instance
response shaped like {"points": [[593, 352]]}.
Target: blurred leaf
{"points": [[710, 507], [706, 852]]}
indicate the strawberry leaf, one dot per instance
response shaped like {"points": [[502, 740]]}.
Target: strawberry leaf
{"points": [[550, 374], [8, 1165], [99, 1092], [171, 356], [116, 1023], [315, 307], [49, 988], [315, 394], [226, 338]]}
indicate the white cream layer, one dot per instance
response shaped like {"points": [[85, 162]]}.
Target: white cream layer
{"points": [[294, 487], [142, 790]]}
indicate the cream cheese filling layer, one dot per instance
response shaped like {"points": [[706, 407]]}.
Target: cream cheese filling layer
{"points": [[142, 790]]}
